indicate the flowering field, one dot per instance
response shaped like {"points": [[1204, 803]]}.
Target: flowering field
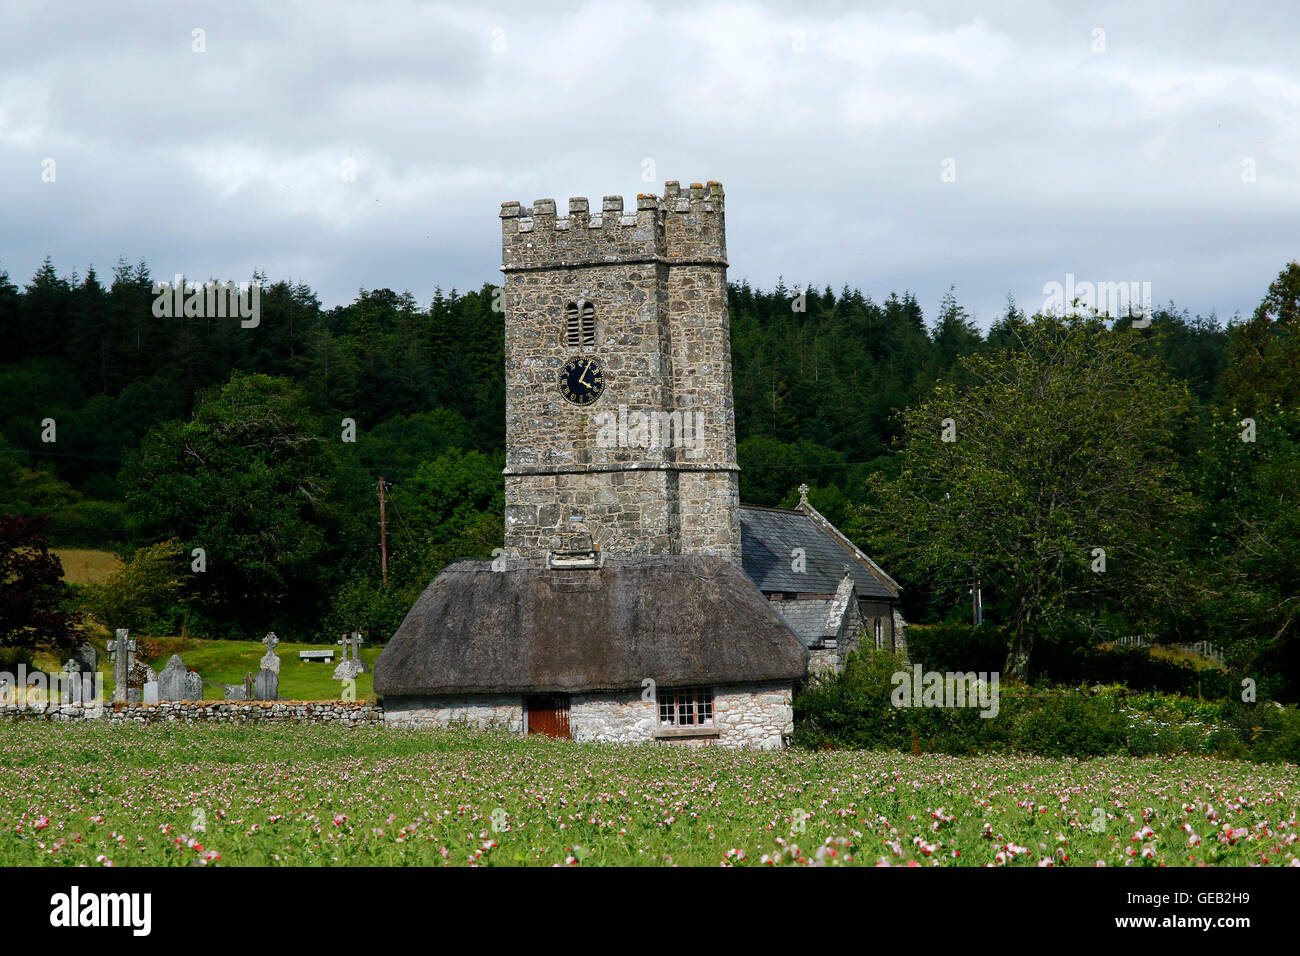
{"points": [[195, 795]]}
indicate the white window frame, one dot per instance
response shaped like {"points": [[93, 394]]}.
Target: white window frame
{"points": [[696, 704]]}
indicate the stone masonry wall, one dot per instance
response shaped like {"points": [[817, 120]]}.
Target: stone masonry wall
{"points": [[619, 717], [483, 712], [657, 280], [710, 513], [823, 661], [342, 713], [757, 716], [628, 512]]}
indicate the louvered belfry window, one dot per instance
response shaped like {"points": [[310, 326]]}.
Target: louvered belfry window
{"points": [[580, 324]]}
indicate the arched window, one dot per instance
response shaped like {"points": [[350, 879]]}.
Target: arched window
{"points": [[580, 324]]}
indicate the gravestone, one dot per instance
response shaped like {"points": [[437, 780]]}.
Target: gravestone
{"points": [[139, 674], [269, 660], [86, 657], [85, 688], [149, 693], [266, 685], [70, 687], [347, 670], [236, 692], [120, 651], [171, 682], [78, 685], [357, 641], [193, 686], [353, 642]]}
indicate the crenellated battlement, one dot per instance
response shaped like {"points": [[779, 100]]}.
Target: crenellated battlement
{"points": [[683, 226]]}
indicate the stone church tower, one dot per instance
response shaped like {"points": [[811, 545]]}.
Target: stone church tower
{"points": [[619, 407]]}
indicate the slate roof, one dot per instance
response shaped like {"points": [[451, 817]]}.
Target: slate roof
{"points": [[677, 619], [808, 619], [769, 535]]}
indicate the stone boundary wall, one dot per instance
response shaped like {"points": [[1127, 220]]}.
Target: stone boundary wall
{"points": [[747, 715], [346, 713]]}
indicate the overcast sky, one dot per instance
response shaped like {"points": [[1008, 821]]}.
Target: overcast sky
{"points": [[1159, 144]]}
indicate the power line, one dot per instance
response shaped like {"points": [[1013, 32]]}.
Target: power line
{"points": [[405, 527]]}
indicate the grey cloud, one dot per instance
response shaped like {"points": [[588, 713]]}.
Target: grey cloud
{"points": [[828, 124]]}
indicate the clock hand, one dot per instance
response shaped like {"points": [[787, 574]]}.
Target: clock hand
{"points": [[582, 380]]}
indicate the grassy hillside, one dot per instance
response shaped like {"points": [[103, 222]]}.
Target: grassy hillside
{"points": [[85, 565]]}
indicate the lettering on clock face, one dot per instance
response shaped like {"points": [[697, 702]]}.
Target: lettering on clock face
{"points": [[582, 380]]}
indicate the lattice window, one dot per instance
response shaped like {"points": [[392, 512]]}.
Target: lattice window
{"points": [[685, 706], [580, 324]]}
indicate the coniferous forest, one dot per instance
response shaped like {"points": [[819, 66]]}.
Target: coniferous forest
{"points": [[258, 452]]}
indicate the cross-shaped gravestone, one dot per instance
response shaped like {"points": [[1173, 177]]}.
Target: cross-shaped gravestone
{"points": [[113, 645], [269, 660], [351, 665], [121, 651]]}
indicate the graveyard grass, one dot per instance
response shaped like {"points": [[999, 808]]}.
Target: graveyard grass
{"points": [[226, 662], [187, 795]]}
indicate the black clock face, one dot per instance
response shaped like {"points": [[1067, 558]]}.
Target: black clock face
{"points": [[582, 380]]}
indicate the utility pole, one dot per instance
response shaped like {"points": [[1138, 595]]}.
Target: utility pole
{"points": [[383, 530]]}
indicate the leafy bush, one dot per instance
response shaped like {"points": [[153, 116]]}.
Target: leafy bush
{"points": [[1069, 724], [854, 709], [145, 594], [1076, 657], [11, 657], [1268, 732], [958, 647], [364, 604]]}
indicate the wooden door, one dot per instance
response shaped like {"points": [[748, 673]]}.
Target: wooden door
{"points": [[548, 714]]}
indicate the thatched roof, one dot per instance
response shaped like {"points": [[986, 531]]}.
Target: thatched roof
{"points": [[680, 619]]}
